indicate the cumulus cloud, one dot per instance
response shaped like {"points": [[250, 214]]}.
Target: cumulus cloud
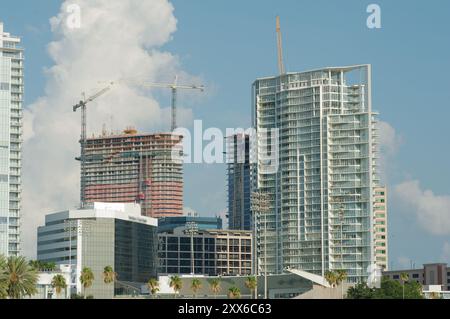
{"points": [[432, 211], [118, 39], [390, 142]]}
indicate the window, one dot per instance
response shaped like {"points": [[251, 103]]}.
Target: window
{"points": [[396, 277], [415, 276]]}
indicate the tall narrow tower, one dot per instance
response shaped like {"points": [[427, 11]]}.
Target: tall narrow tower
{"points": [[322, 195], [11, 98]]}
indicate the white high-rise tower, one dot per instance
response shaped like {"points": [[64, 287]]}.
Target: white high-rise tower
{"points": [[322, 195], [11, 98]]}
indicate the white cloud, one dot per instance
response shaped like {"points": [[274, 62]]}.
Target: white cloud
{"points": [[432, 211], [390, 142], [117, 39]]}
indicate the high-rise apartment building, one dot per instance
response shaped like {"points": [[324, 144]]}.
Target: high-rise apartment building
{"points": [[322, 194], [239, 171], [135, 168], [381, 228], [11, 99]]}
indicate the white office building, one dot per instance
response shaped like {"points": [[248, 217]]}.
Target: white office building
{"points": [[11, 97], [322, 195], [100, 235]]}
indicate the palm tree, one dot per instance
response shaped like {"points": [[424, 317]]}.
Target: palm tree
{"points": [[18, 277], [251, 283], [109, 276], [176, 284], [86, 279], [234, 293], [196, 286], [404, 278], [59, 283], [341, 277], [331, 277], [3, 282], [215, 287], [153, 286]]}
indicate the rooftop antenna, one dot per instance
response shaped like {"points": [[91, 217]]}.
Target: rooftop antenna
{"points": [[280, 48]]}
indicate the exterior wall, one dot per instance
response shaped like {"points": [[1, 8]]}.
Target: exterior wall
{"points": [[11, 99], [322, 193], [135, 168], [381, 228], [97, 253], [239, 173], [216, 252]]}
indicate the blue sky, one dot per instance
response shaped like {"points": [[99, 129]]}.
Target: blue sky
{"points": [[230, 43]]}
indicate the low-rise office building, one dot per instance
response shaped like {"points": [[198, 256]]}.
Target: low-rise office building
{"points": [[44, 287], [102, 234], [214, 252], [430, 275]]}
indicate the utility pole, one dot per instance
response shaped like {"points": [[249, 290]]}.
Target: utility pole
{"points": [[260, 203]]}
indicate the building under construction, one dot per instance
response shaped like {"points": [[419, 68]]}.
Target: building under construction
{"points": [[134, 167]]}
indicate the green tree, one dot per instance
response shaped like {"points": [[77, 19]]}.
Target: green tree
{"points": [[404, 278], [196, 285], [360, 291], [153, 286], [18, 277], [413, 290], [59, 283], [389, 289], [3, 281], [214, 285], [331, 278], [234, 293], [109, 275], [86, 279], [176, 284], [251, 283]]}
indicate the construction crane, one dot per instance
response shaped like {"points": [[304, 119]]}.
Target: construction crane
{"points": [[280, 48], [174, 87], [82, 105]]}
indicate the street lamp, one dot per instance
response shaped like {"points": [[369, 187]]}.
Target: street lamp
{"points": [[260, 203], [192, 228]]}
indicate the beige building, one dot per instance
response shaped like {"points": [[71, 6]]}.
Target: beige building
{"points": [[430, 275], [381, 227]]}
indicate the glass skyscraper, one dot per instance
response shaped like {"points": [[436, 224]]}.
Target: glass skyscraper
{"points": [[11, 97], [322, 195], [239, 173]]}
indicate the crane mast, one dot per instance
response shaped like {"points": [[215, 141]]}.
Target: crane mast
{"points": [[174, 87], [82, 105], [280, 48]]}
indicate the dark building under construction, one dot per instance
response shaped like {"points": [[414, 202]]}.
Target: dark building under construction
{"points": [[134, 167]]}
